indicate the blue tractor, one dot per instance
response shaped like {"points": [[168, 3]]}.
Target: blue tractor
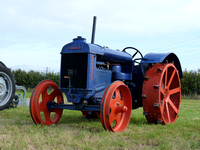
{"points": [[108, 84]]}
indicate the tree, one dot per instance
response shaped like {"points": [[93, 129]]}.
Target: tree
{"points": [[32, 78]]}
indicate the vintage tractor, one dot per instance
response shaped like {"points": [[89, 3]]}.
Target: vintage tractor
{"points": [[107, 83], [10, 94]]}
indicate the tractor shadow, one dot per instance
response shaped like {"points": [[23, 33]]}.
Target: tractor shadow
{"points": [[77, 122], [138, 120], [70, 119]]}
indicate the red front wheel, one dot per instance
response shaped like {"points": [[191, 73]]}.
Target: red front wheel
{"points": [[45, 92], [116, 106]]}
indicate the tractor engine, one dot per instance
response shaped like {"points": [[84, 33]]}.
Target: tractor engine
{"points": [[88, 69]]}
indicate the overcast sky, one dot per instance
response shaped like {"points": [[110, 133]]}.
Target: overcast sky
{"points": [[33, 32]]}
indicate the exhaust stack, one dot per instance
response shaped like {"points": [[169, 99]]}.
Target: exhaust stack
{"points": [[93, 29]]}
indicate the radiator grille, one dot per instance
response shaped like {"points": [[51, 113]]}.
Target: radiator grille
{"points": [[75, 67]]}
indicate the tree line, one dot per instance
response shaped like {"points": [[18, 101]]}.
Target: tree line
{"points": [[190, 83], [31, 78]]}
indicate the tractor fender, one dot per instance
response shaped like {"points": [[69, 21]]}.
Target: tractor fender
{"points": [[152, 58]]}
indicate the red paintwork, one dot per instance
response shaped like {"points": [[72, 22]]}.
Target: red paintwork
{"points": [[39, 99], [162, 90], [91, 69], [116, 106]]}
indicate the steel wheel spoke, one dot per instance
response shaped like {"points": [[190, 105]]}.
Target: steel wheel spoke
{"points": [[166, 77], [168, 115], [162, 91], [44, 95], [117, 95], [174, 91], [58, 112], [163, 105], [47, 117], [52, 95], [173, 106], [120, 102], [42, 106], [118, 118], [171, 78], [112, 103], [112, 117]]}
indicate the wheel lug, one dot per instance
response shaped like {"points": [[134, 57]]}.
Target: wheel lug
{"points": [[121, 108], [124, 109]]}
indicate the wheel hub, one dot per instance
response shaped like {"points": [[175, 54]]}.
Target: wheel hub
{"points": [[120, 108], [3, 88]]}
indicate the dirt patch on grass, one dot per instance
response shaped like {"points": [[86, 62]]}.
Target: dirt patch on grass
{"points": [[9, 121], [4, 138], [196, 118]]}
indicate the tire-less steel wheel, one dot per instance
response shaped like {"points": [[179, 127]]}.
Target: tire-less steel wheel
{"points": [[7, 87], [116, 106], [161, 95], [45, 92]]}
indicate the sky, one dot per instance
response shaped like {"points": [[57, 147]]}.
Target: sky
{"points": [[33, 32]]}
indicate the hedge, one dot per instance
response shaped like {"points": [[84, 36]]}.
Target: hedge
{"points": [[190, 83], [32, 78]]}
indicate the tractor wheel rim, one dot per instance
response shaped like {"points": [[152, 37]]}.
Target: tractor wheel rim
{"points": [[102, 109], [5, 88], [161, 93], [39, 99], [169, 95], [117, 107]]}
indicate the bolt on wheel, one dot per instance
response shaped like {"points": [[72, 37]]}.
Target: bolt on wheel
{"points": [[161, 94], [116, 107], [45, 92]]}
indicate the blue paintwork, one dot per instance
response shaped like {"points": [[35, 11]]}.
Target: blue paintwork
{"points": [[121, 67], [97, 81], [154, 57], [52, 105], [159, 58], [102, 80], [117, 73], [79, 45]]}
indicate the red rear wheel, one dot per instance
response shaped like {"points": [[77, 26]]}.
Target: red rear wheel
{"points": [[116, 107], [161, 94], [45, 92]]}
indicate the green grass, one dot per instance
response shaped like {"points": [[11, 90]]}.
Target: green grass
{"points": [[17, 131], [29, 92]]}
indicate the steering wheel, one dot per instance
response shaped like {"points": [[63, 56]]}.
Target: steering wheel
{"points": [[137, 51]]}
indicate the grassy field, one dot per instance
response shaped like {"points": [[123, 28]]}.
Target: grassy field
{"points": [[17, 131]]}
